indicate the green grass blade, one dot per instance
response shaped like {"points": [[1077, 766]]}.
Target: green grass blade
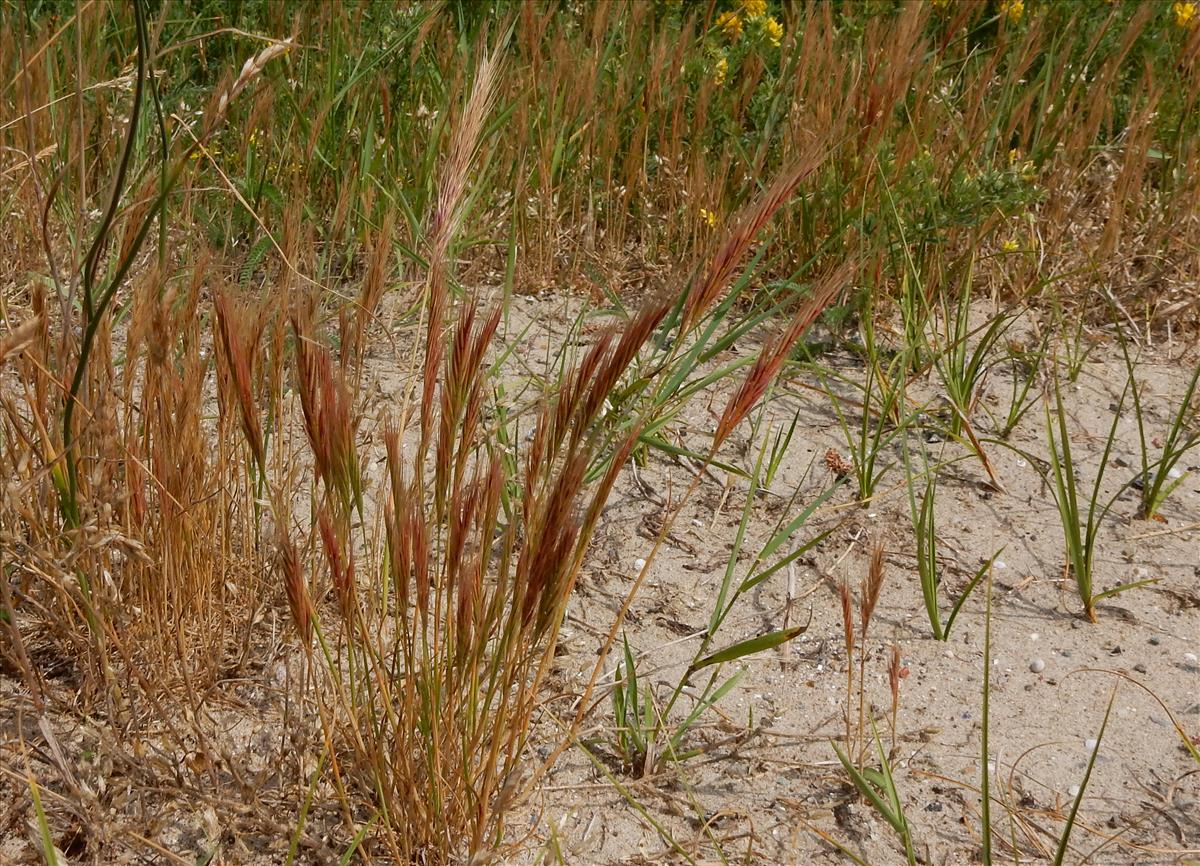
{"points": [[1064, 839], [750, 646]]}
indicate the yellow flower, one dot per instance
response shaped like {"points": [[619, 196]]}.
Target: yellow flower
{"points": [[1010, 246], [774, 31], [754, 8], [940, 4], [730, 24], [1012, 9], [720, 71], [1185, 14], [708, 218], [212, 151]]}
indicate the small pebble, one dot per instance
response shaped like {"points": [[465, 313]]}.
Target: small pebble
{"points": [[1140, 668], [1076, 623], [1034, 636], [1037, 666], [1073, 791], [1189, 659], [1000, 564], [639, 564], [1174, 472], [1155, 640], [1089, 744]]}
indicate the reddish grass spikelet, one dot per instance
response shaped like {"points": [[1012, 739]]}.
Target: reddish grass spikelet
{"points": [[341, 570], [288, 560], [636, 334], [549, 547], [577, 392], [461, 403], [239, 353], [328, 417], [443, 225], [770, 361], [872, 585], [847, 601], [721, 268], [896, 672]]}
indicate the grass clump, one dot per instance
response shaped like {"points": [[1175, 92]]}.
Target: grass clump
{"points": [[226, 224]]}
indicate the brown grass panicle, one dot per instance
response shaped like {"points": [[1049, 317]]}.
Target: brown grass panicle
{"points": [[869, 592], [770, 361]]}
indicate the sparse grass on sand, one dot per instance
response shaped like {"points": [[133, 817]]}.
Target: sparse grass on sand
{"points": [[378, 381]]}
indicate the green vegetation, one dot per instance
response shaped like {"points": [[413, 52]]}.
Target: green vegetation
{"points": [[225, 223]]}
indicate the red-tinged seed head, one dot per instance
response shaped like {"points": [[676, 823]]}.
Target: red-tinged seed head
{"points": [[871, 587], [847, 600], [296, 588]]}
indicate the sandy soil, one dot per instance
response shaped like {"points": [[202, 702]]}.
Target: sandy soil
{"points": [[771, 787], [767, 787]]}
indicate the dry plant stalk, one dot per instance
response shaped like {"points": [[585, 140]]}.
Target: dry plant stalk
{"points": [[869, 592], [846, 597]]}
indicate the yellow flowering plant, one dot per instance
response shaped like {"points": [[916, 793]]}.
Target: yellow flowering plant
{"points": [[730, 23], [773, 31], [1013, 10], [720, 70], [1187, 14], [754, 9]]}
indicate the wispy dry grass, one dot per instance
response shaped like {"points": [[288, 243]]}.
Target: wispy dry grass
{"points": [[203, 250]]}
